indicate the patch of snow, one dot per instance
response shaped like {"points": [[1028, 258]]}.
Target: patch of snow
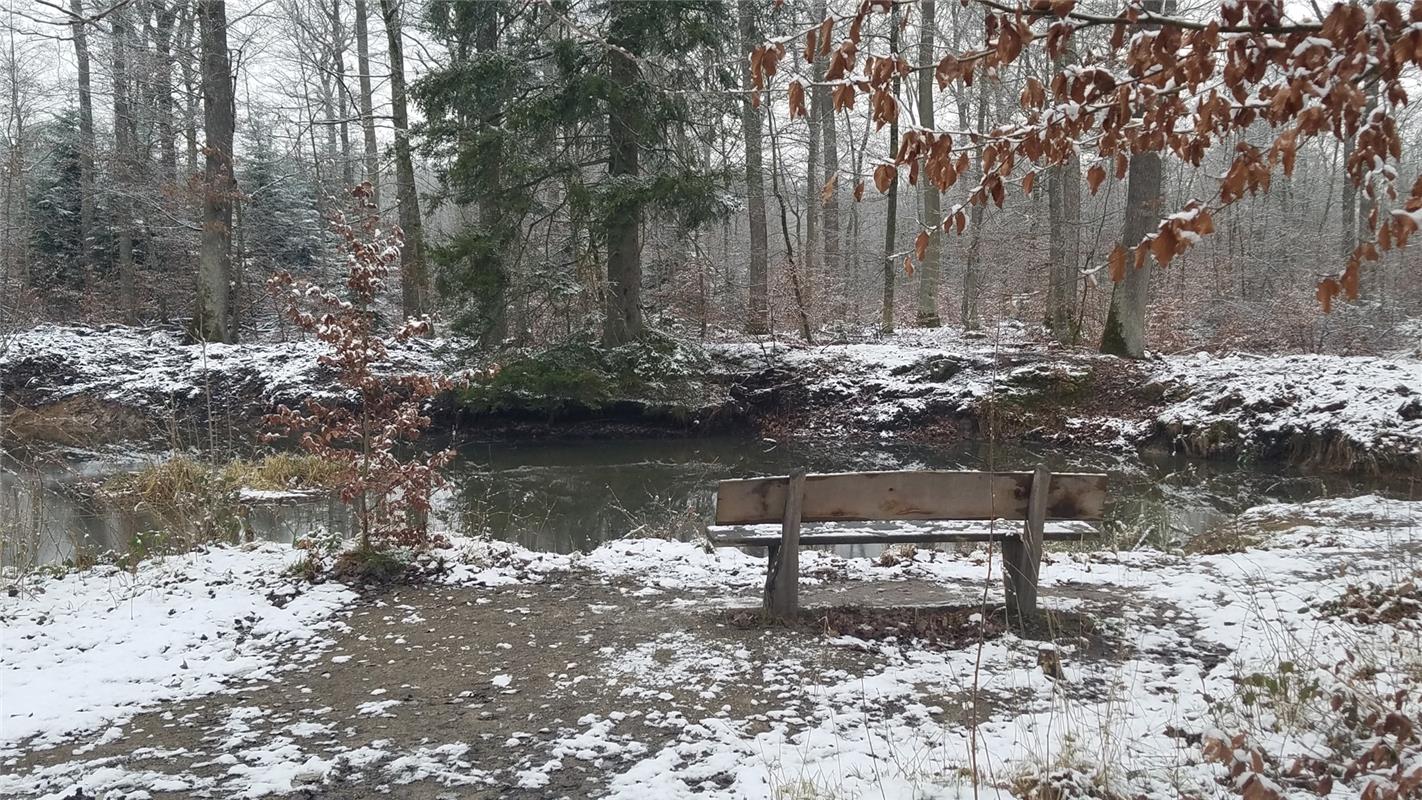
{"points": [[92, 647]]}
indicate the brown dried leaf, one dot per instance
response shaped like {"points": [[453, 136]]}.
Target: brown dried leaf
{"points": [[1116, 266], [1095, 176]]}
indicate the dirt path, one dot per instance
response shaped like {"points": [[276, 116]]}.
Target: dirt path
{"points": [[523, 691]]}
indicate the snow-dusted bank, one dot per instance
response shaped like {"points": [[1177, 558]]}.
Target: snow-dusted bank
{"points": [[84, 386], [1156, 655], [1341, 412]]}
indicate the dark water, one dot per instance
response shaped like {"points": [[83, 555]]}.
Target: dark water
{"points": [[571, 496], [564, 496]]}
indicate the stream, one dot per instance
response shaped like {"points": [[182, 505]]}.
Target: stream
{"points": [[565, 496]]}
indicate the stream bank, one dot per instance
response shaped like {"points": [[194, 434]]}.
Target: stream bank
{"points": [[91, 387]]}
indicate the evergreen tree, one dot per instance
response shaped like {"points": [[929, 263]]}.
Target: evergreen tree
{"points": [[57, 197], [545, 110], [282, 228]]}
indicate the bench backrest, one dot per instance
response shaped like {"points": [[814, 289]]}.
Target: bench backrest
{"points": [[924, 495]]}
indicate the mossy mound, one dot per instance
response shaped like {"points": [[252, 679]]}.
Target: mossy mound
{"points": [[658, 378]]}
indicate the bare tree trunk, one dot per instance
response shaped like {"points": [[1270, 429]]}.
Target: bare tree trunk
{"points": [[758, 307], [338, 69], [123, 156], [496, 316], [190, 87], [819, 100], [929, 202], [972, 272], [833, 266], [165, 16], [623, 321], [211, 321], [367, 104], [1125, 332], [87, 145], [891, 221], [16, 241], [1063, 247], [414, 279], [1349, 205]]}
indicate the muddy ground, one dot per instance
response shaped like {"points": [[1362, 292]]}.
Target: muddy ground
{"points": [[458, 692]]}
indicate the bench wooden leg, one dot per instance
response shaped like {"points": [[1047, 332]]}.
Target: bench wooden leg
{"points": [[782, 583], [1022, 557]]}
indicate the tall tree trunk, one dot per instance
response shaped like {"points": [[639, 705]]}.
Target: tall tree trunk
{"points": [[833, 265], [972, 270], [164, 17], [623, 321], [338, 69], [212, 319], [931, 269], [367, 103], [758, 307], [1349, 204], [123, 159], [16, 242], [819, 100], [414, 279], [190, 87], [491, 216], [1063, 247], [87, 145], [891, 216], [1125, 332]]}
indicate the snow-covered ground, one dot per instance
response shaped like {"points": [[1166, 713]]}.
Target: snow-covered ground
{"points": [[154, 368], [1370, 407], [667, 701], [86, 650]]}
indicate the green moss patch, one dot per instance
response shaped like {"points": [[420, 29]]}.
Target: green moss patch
{"points": [[657, 377]]}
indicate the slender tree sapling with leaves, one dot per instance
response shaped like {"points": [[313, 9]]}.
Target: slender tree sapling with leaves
{"points": [[381, 414]]}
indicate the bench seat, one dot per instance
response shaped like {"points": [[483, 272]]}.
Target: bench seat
{"points": [[836, 533]]}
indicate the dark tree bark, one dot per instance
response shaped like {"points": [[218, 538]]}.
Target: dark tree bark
{"points": [[891, 220], [212, 320], [1125, 332], [87, 144], [191, 91], [367, 104], [496, 316], [338, 69], [819, 101], [123, 165], [931, 269], [164, 16], [1063, 240], [1063, 246], [758, 307], [414, 278], [972, 267], [623, 320]]}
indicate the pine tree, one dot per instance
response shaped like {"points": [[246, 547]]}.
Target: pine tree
{"points": [[566, 117]]}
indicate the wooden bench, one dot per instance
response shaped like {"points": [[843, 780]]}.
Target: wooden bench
{"points": [[1033, 497]]}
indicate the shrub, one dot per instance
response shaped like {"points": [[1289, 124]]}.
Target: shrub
{"points": [[382, 414]]}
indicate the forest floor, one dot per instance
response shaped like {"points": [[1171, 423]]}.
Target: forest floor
{"points": [[87, 388], [641, 670]]}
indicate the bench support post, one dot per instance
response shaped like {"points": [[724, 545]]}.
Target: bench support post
{"points": [[1022, 557], [782, 580]]}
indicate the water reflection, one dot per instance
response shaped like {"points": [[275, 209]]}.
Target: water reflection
{"points": [[564, 496]]}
